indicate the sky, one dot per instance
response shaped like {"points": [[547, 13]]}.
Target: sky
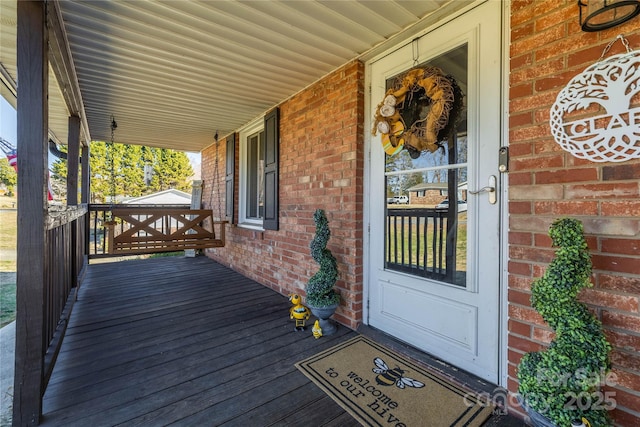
{"points": [[7, 122], [8, 132]]}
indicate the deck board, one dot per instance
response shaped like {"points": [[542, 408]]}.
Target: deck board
{"points": [[182, 341], [318, 412]]}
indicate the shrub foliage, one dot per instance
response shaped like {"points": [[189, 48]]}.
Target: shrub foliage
{"points": [[563, 381], [320, 292]]}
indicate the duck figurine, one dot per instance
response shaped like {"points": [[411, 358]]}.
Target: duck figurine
{"points": [[317, 330], [298, 312]]}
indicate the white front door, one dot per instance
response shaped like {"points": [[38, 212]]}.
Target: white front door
{"points": [[433, 272]]}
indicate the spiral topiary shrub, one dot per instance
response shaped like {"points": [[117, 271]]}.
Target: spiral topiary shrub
{"points": [[563, 382], [320, 292]]}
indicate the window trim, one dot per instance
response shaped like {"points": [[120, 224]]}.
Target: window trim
{"points": [[252, 128], [230, 177]]}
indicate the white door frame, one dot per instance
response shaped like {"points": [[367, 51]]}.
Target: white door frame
{"points": [[503, 178]]}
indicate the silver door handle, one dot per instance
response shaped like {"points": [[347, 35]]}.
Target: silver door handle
{"points": [[491, 189]]}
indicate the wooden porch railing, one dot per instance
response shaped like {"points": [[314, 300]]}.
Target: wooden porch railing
{"points": [[416, 241], [66, 241], [65, 262], [118, 230]]}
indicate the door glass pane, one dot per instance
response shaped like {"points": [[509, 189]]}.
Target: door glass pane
{"points": [[426, 193]]}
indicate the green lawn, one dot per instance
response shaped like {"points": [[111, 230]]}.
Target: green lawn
{"points": [[8, 226], [8, 232], [8, 201], [413, 235], [8, 229], [7, 303]]}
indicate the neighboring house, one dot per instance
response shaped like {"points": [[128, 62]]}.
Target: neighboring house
{"points": [[165, 197], [431, 194], [314, 148]]}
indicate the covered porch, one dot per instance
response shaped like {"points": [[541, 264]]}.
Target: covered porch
{"points": [[80, 66], [211, 77], [187, 341]]}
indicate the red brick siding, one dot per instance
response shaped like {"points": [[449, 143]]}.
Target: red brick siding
{"points": [[430, 198], [321, 166], [547, 50]]}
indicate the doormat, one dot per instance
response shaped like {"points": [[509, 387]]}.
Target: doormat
{"points": [[381, 388]]}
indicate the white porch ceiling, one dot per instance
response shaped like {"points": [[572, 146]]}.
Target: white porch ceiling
{"points": [[174, 72]]}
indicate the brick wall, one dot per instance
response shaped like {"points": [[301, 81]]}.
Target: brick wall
{"points": [[548, 49], [430, 198], [321, 166]]}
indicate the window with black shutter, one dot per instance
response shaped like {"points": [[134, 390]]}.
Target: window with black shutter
{"points": [[258, 148]]}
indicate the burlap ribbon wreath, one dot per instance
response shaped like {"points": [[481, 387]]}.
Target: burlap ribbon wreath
{"points": [[397, 117]]}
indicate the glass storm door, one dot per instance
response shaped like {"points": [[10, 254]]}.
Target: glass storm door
{"points": [[433, 266]]}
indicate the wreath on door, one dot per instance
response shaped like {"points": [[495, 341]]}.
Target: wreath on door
{"points": [[401, 118]]}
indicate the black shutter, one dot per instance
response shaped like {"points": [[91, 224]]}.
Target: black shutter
{"points": [[271, 143], [229, 175]]}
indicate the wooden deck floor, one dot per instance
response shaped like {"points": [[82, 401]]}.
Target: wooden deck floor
{"points": [[184, 341]]}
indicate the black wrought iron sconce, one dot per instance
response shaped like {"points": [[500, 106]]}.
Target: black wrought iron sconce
{"points": [[602, 14]]}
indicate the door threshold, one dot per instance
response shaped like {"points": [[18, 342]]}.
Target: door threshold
{"points": [[485, 390]]}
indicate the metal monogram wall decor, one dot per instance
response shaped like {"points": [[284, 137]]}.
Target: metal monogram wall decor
{"points": [[592, 117]]}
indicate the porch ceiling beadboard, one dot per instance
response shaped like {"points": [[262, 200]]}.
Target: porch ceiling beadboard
{"points": [[174, 72], [58, 112]]}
